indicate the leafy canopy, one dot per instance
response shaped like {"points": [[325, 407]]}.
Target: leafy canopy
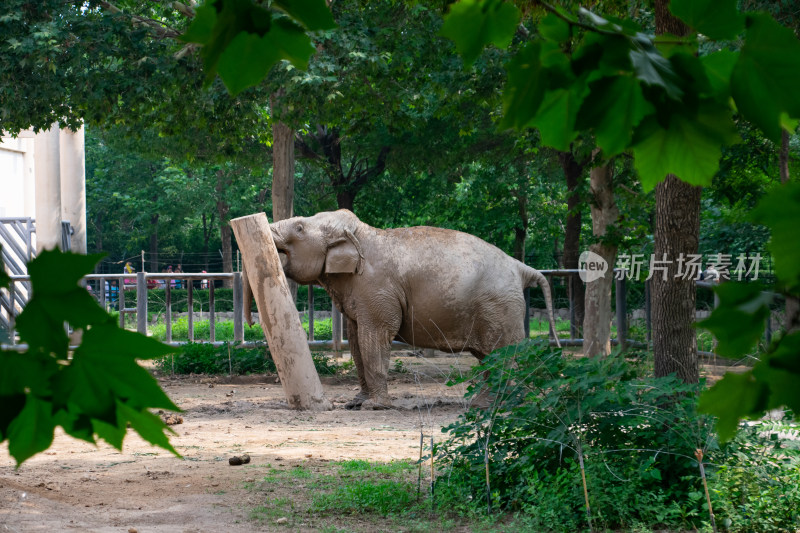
{"points": [[633, 91], [95, 393]]}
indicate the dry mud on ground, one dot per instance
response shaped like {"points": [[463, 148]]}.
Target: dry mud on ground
{"points": [[75, 486]]}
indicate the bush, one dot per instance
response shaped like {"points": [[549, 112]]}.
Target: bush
{"points": [[204, 358], [634, 438]]}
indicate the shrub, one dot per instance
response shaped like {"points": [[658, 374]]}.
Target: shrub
{"points": [[205, 358], [555, 419], [223, 330]]}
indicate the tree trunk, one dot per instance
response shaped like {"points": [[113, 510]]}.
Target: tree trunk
{"points": [[572, 234], [282, 187], [223, 210], [279, 319], [282, 167], [597, 319], [677, 233], [792, 303], [345, 200], [154, 243]]}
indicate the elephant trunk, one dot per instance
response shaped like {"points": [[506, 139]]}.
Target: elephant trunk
{"points": [[537, 278]]}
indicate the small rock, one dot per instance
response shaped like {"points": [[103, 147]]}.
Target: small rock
{"points": [[235, 460], [245, 459], [210, 385], [133, 530], [249, 480], [281, 520], [308, 455]]}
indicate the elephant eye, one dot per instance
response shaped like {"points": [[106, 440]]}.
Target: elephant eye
{"points": [[299, 228]]}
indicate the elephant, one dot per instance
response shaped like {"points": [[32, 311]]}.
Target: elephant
{"points": [[426, 286]]}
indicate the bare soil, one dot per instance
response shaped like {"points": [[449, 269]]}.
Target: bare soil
{"points": [[75, 486]]}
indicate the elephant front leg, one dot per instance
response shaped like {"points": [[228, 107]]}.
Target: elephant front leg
{"points": [[375, 346], [355, 353]]}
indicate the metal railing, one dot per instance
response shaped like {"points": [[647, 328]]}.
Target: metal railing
{"points": [[109, 289]]}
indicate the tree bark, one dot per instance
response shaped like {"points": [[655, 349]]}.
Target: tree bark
{"points": [[223, 210], [572, 234], [597, 319], [282, 185], [279, 318], [677, 232]]}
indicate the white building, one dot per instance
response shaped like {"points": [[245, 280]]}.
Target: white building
{"points": [[42, 178]]}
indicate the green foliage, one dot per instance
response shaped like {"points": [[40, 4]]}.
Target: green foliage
{"points": [[739, 322], [473, 24], [637, 437], [381, 497], [676, 111], [242, 40], [204, 358], [97, 391]]}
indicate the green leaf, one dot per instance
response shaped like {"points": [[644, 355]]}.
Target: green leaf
{"points": [[111, 433], [556, 116], [718, 19], [70, 267], [765, 79], [554, 28], [150, 427], [104, 368], [780, 211], [739, 320], [614, 107], [249, 57], [524, 88], [654, 69], [733, 397], [719, 68], [21, 373], [12, 406], [312, 14], [690, 147], [31, 431], [473, 24]]}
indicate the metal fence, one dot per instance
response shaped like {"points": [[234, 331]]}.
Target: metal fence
{"points": [[109, 289]]}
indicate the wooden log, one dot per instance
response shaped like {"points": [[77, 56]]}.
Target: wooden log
{"points": [[278, 315]]}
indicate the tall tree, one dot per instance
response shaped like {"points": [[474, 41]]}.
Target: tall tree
{"points": [[677, 231]]}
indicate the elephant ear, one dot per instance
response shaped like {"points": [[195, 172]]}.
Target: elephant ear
{"points": [[342, 258]]}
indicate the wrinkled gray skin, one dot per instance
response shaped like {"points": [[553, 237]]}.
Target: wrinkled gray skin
{"points": [[429, 287]]}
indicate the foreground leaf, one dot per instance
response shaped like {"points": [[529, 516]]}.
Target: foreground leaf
{"points": [[473, 24], [780, 211], [733, 397], [739, 321], [719, 19], [765, 80], [524, 89], [31, 431]]}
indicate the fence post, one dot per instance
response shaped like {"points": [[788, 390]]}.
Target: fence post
{"points": [[336, 327], [212, 327], [622, 314], [190, 306], [121, 301], [168, 313], [238, 307], [311, 312], [103, 293], [141, 303]]}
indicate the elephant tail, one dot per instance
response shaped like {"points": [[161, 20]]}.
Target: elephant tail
{"points": [[534, 278]]}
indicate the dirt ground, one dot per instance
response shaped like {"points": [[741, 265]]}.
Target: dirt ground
{"points": [[74, 486]]}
